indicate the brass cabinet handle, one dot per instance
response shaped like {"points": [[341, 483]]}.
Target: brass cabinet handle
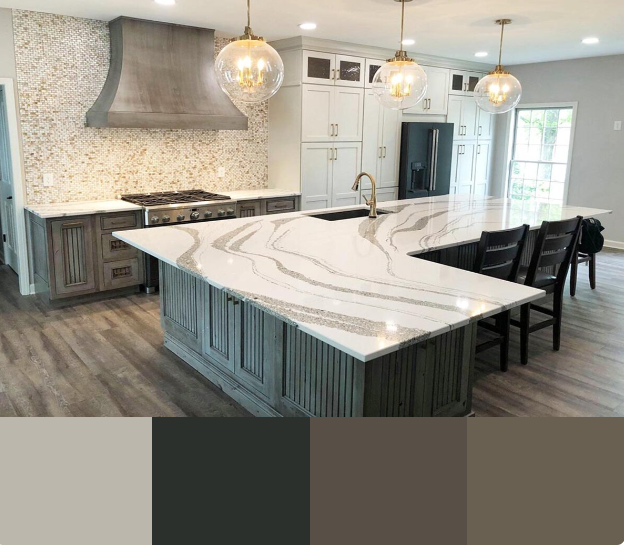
{"points": [[478, 150], [384, 153], [380, 152], [332, 129], [333, 76], [336, 129], [335, 154], [331, 154]]}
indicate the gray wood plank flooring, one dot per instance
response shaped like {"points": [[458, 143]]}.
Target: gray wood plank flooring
{"points": [[103, 358], [106, 358]]}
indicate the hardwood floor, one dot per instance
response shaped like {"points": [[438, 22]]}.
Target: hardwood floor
{"points": [[103, 358], [106, 359], [586, 377]]}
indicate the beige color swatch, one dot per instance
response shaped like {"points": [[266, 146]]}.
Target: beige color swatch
{"points": [[545, 481], [75, 482]]}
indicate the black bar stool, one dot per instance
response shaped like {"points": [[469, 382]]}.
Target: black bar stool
{"points": [[555, 245], [498, 255], [578, 258]]}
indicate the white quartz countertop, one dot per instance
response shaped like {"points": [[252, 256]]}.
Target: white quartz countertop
{"points": [[353, 283], [65, 209]]}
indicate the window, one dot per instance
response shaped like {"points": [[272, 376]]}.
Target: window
{"points": [[540, 154]]}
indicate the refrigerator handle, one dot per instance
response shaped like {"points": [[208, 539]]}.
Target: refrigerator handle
{"points": [[436, 137], [432, 155]]}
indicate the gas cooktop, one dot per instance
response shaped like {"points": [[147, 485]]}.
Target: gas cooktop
{"points": [[173, 197]]}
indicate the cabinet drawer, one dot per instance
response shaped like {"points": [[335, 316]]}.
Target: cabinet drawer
{"points": [[113, 223], [120, 274], [280, 205], [113, 248]]}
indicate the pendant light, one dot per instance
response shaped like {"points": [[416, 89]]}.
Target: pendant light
{"points": [[400, 83], [248, 69], [499, 91]]}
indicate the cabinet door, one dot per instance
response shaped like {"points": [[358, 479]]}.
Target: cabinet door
{"points": [[350, 71], [249, 209], [384, 194], [389, 171], [372, 149], [372, 65], [482, 169], [457, 82], [219, 327], [346, 166], [316, 175], [348, 111], [455, 104], [319, 68], [317, 112], [485, 122], [470, 118], [73, 255], [436, 99], [465, 168]]}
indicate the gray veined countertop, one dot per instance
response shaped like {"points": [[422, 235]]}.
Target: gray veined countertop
{"points": [[352, 283]]}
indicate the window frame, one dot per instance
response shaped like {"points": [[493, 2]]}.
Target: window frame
{"points": [[512, 137]]}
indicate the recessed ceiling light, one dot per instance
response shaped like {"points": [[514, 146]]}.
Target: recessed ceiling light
{"points": [[408, 41], [165, 2], [307, 26], [590, 41], [481, 54]]}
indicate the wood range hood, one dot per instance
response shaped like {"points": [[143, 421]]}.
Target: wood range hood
{"points": [[161, 76]]}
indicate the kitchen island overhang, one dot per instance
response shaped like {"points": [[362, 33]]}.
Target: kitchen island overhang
{"points": [[296, 315]]}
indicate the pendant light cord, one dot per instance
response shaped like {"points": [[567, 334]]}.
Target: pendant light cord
{"points": [[248, 13], [500, 51], [402, 21]]}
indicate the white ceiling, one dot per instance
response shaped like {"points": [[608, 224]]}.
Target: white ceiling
{"points": [[542, 29]]}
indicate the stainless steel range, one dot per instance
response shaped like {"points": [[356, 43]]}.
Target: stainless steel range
{"points": [[182, 206], [174, 207]]}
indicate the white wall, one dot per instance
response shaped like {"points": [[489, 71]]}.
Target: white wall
{"points": [[597, 170]]}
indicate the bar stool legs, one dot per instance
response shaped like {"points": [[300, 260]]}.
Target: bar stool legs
{"points": [[525, 319]]}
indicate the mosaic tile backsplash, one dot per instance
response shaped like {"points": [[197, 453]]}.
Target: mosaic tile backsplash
{"points": [[62, 63]]}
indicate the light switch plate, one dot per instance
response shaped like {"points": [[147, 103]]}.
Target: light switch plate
{"points": [[617, 126], [48, 179], [221, 172]]}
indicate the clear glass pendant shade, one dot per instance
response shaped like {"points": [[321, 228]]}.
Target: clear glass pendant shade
{"points": [[498, 92], [249, 70], [400, 84]]}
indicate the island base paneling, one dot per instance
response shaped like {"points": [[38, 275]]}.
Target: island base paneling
{"points": [[273, 368]]}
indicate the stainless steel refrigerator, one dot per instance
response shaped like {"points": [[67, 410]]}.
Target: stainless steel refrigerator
{"points": [[426, 154]]}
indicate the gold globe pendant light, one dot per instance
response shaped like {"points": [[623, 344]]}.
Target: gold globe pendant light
{"points": [[248, 69], [400, 83], [499, 91]]}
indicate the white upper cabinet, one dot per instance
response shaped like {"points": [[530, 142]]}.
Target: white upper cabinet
{"points": [[319, 68], [485, 125], [462, 112], [436, 98], [372, 65], [348, 114], [464, 83], [380, 143], [317, 120], [350, 71], [331, 69]]}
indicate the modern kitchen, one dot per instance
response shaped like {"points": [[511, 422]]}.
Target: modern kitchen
{"points": [[373, 208]]}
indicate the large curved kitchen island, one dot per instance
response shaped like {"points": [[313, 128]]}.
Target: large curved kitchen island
{"points": [[292, 315]]}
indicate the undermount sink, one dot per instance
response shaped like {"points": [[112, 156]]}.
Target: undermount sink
{"points": [[346, 214]]}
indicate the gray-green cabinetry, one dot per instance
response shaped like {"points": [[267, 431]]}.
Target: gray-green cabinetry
{"points": [[76, 256], [274, 369], [261, 207]]}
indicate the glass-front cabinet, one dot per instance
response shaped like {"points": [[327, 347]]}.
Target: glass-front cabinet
{"points": [[464, 83], [332, 69], [372, 65]]}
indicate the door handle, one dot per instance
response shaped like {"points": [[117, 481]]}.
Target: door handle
{"points": [[10, 197], [380, 152], [333, 76], [332, 129], [336, 154], [331, 154], [478, 150], [479, 130], [436, 137], [384, 152], [336, 129]]}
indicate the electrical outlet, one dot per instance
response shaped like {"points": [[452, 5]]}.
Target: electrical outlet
{"points": [[221, 172], [48, 179], [617, 126]]}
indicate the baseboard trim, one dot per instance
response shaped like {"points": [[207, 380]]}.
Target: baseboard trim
{"points": [[252, 403], [614, 244]]}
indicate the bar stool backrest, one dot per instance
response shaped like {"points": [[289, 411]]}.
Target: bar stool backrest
{"points": [[499, 253]]}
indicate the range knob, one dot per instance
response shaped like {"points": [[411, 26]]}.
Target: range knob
{"points": [[221, 213], [154, 219], [194, 215], [165, 219], [180, 217], [230, 211], [208, 214]]}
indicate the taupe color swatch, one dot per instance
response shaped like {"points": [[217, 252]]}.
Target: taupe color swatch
{"points": [[545, 481], [388, 481], [75, 482]]}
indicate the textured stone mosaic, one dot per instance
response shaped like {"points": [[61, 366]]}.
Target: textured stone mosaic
{"points": [[62, 63]]}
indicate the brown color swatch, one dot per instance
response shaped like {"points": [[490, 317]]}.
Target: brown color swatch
{"points": [[388, 480], [545, 481]]}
